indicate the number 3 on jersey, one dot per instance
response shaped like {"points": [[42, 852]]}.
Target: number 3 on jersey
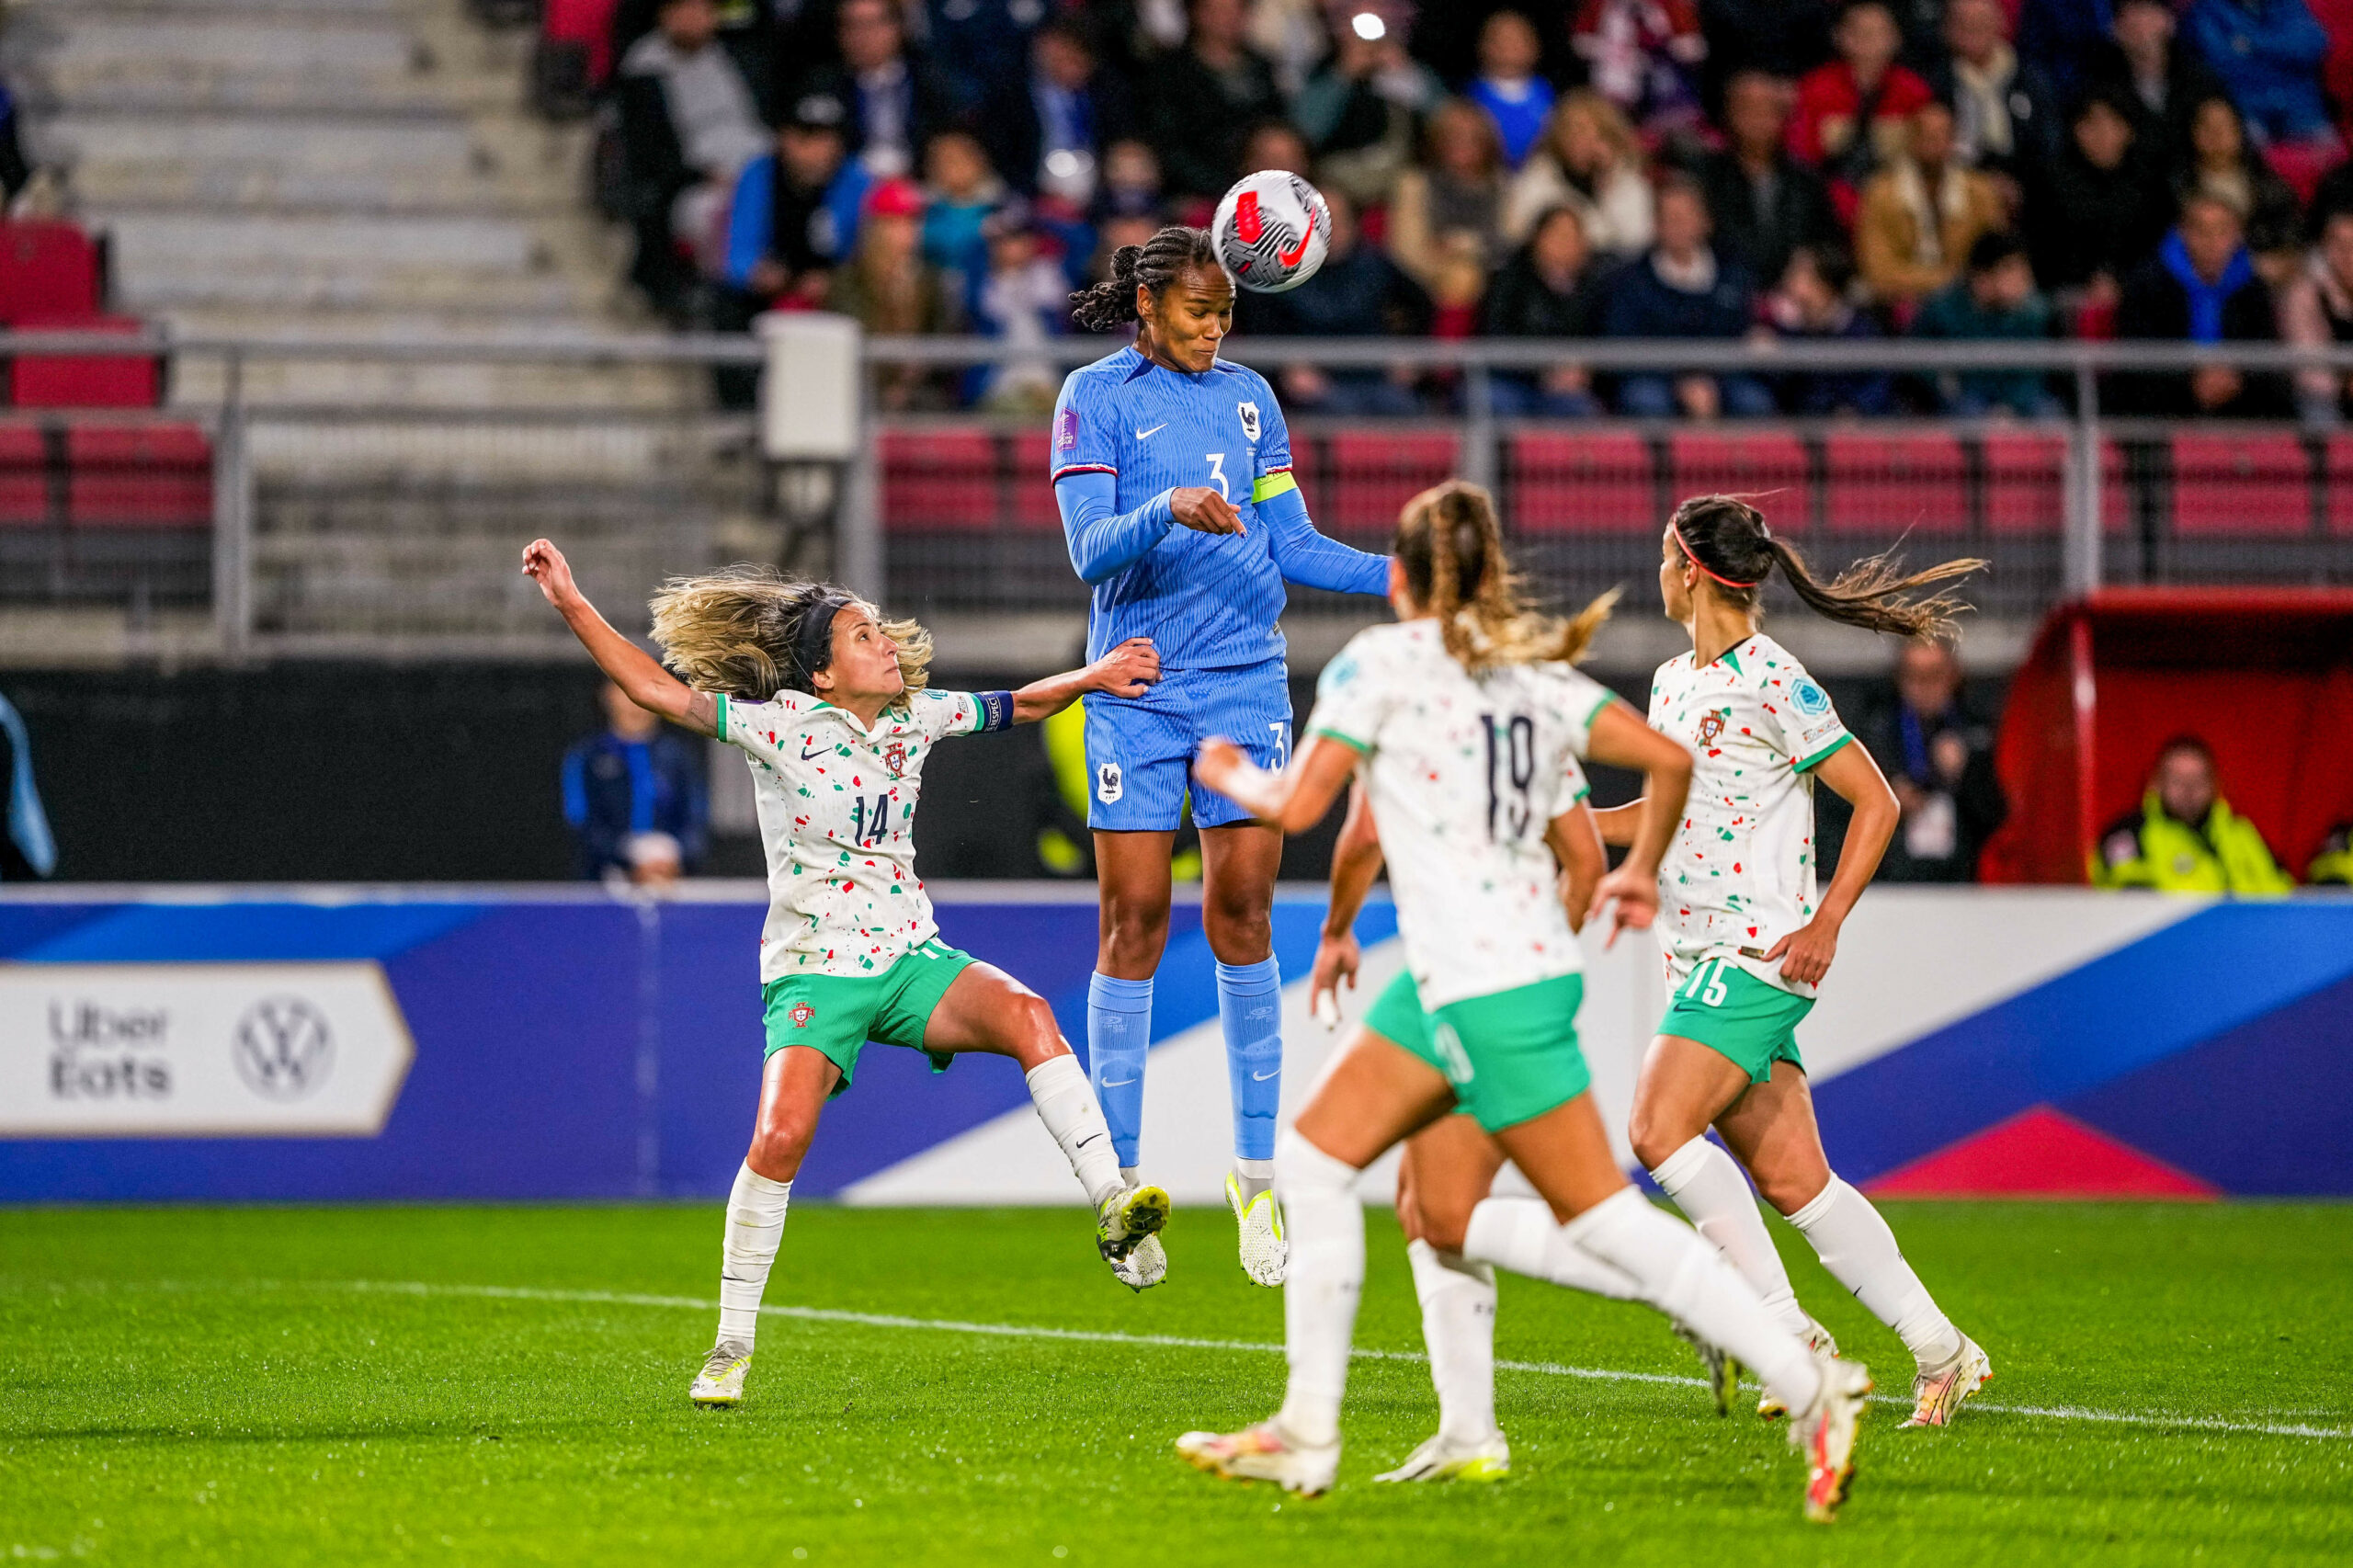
{"points": [[1217, 472]]}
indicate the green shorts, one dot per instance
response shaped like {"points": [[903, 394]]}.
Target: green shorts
{"points": [[1739, 1016], [838, 1014], [1511, 1056]]}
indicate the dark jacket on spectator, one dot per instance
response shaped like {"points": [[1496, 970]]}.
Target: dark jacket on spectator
{"points": [[2037, 122], [1642, 304], [614, 788], [1952, 313], [931, 103], [1011, 130], [1818, 393], [2083, 220], [1898, 741], [2162, 134], [2156, 306], [1757, 233], [2062, 36], [1361, 294], [1197, 118], [1781, 37], [2277, 219], [1519, 303]]}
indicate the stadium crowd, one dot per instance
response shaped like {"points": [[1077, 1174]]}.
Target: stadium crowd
{"points": [[1950, 169]]}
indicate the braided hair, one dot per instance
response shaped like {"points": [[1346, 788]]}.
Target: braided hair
{"points": [[1152, 266], [1726, 539], [750, 631], [1451, 547]]}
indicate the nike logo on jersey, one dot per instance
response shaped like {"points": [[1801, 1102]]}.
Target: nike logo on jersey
{"points": [[813, 755], [1146, 435]]}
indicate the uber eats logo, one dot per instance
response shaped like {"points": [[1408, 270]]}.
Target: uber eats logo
{"points": [[98, 1051]]}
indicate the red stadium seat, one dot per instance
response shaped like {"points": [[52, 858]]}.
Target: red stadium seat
{"points": [[1375, 472], [939, 481], [47, 269], [138, 476], [2025, 484], [85, 380], [1596, 482], [1889, 484], [24, 476], [2337, 473], [1030, 481], [2241, 485], [1768, 467]]}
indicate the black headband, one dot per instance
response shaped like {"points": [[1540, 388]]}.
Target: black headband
{"points": [[812, 648]]}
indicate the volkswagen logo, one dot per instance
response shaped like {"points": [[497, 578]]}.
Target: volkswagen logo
{"points": [[283, 1048]]}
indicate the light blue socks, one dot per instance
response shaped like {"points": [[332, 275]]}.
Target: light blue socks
{"points": [[1119, 1032], [1250, 1006]]}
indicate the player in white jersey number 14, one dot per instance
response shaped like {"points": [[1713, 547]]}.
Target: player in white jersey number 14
{"points": [[828, 702]]}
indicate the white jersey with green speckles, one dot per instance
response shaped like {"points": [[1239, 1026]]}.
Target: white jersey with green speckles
{"points": [[1740, 875], [1465, 774], [837, 806]]}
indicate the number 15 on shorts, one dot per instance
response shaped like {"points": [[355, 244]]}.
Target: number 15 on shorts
{"points": [[1707, 983]]}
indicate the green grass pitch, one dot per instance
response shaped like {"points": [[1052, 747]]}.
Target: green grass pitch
{"points": [[208, 1385]]}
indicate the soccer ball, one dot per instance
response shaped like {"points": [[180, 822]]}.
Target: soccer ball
{"points": [[1272, 230]]}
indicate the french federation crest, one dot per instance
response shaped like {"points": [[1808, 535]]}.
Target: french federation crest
{"points": [[894, 757], [1249, 412]]}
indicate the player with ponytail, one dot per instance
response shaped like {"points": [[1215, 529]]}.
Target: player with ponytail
{"points": [[1172, 471], [1747, 934]]}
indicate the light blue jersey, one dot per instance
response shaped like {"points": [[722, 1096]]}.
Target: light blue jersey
{"points": [[1126, 432]]}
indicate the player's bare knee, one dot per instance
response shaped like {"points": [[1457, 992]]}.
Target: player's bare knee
{"points": [[1654, 1141], [1788, 1191], [1037, 1038], [1133, 938], [1444, 1225], [1238, 933]]}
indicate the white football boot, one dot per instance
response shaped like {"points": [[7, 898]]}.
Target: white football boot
{"points": [[1826, 1433], [1127, 1232], [1450, 1459], [1144, 1267], [1817, 1339], [1937, 1395], [1263, 1452], [1266, 1255], [721, 1381]]}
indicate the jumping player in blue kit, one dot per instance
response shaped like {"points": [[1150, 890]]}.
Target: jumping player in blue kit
{"points": [[1172, 471]]}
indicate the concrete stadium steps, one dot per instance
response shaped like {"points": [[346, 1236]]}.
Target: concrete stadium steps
{"points": [[360, 385], [381, 454]]}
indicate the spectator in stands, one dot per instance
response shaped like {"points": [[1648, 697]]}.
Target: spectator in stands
{"points": [[2006, 116], [978, 44], [747, 32], [2100, 207], [2333, 865], [890, 289], [1680, 290], [1588, 160], [1764, 203], [2316, 311], [15, 172], [2062, 38], [897, 101], [688, 125], [1274, 144], [960, 192], [1507, 85], [1048, 129], [1022, 301], [1201, 100], [1644, 56], [1779, 38], [1921, 212], [634, 797], [795, 215], [1996, 300], [2269, 53], [1548, 288], [1851, 111], [1938, 755], [1448, 207], [2145, 66], [2200, 287], [1811, 303], [1358, 292], [1361, 112], [2224, 165], [1131, 183], [2185, 837]]}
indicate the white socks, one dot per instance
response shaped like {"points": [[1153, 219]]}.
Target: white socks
{"points": [[1066, 1103], [1682, 1276], [1255, 1177], [1459, 1326], [1859, 1249], [1708, 1185], [754, 1225], [1520, 1235], [1326, 1224]]}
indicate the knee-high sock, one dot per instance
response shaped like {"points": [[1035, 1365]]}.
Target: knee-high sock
{"points": [[1458, 1301], [1520, 1235], [754, 1225], [1067, 1107], [1325, 1223], [1859, 1249], [1119, 1033], [1708, 1185], [1250, 1006]]}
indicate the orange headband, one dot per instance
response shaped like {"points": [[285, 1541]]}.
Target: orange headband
{"points": [[1702, 565]]}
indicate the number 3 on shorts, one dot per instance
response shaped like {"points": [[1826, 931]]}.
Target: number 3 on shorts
{"points": [[1711, 972]]}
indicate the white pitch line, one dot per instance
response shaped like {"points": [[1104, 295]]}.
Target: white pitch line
{"points": [[1170, 1341]]}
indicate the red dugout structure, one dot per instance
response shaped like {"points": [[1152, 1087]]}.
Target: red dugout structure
{"points": [[2263, 676]]}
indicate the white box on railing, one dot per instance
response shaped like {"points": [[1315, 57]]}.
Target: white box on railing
{"points": [[809, 394]]}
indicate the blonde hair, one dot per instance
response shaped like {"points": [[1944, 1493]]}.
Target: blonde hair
{"points": [[1451, 547], [735, 630], [1609, 122]]}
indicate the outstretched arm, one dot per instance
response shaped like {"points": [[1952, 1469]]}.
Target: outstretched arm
{"points": [[625, 664], [1294, 800], [1306, 557], [1125, 671]]}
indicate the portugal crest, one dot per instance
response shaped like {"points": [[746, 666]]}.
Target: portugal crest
{"points": [[894, 757], [1249, 412], [801, 1014], [1711, 726]]}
